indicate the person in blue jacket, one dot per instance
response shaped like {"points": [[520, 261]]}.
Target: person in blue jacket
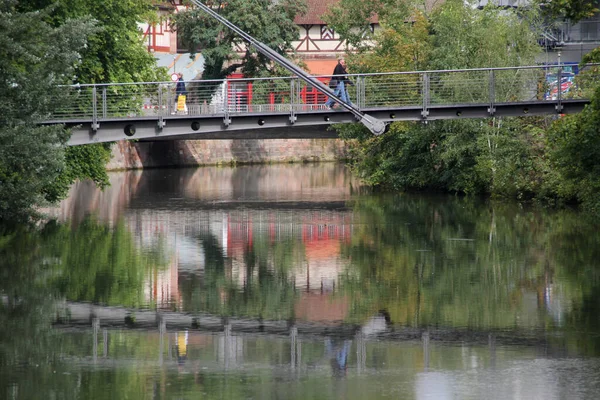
{"points": [[180, 89]]}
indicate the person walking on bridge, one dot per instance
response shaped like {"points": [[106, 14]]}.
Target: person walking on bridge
{"points": [[180, 94], [339, 81]]}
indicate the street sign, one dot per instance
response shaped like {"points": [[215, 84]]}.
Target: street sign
{"points": [[174, 77]]}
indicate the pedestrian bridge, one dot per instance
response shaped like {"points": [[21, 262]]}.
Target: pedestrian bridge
{"points": [[289, 107]]}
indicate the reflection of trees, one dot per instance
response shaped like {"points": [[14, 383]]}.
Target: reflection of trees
{"points": [[101, 264], [267, 290], [459, 264], [573, 242], [26, 307], [91, 262]]}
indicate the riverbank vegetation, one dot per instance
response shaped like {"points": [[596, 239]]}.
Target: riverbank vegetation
{"points": [[548, 159]]}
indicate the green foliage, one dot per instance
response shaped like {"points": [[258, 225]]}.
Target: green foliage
{"points": [[466, 37], [573, 10], [574, 150], [504, 157], [51, 44], [352, 19], [496, 156], [115, 51], [37, 58], [398, 46], [403, 158], [81, 162], [272, 23]]}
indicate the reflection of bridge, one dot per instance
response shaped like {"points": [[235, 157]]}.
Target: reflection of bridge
{"points": [[230, 333], [289, 107]]}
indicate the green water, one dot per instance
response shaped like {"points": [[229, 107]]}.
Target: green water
{"points": [[294, 282]]}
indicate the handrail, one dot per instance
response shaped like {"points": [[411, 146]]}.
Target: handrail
{"points": [[430, 71], [280, 95]]}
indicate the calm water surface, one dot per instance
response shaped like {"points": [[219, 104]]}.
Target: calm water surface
{"points": [[293, 282]]}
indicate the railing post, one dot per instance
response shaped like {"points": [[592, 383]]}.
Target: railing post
{"points": [[104, 102], [170, 100], [161, 121], [294, 99], [559, 106], [425, 111], [226, 117], [360, 91], [492, 78], [95, 124]]}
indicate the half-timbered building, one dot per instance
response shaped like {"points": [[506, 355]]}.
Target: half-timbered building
{"points": [[318, 45]]}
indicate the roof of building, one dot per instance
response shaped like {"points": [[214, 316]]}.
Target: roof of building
{"points": [[317, 8]]}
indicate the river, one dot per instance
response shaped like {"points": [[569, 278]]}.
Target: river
{"points": [[295, 282]]}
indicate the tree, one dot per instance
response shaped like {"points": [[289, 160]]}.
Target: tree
{"points": [[466, 37], [110, 52], [352, 19], [114, 51], [271, 22], [35, 59], [465, 156], [573, 10], [574, 149], [397, 46]]}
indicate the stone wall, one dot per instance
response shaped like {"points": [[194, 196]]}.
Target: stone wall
{"points": [[179, 153]]}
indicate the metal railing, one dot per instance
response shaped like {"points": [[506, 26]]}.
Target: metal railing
{"points": [[289, 95]]}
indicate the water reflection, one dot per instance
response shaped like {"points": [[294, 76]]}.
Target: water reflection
{"points": [[292, 281]]}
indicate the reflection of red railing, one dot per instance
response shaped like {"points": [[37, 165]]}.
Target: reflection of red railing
{"points": [[239, 236], [320, 233]]}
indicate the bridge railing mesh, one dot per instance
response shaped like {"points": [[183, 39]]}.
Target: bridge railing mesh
{"points": [[289, 94], [77, 104], [393, 90], [585, 83]]}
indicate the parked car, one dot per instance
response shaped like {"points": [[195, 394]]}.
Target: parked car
{"points": [[567, 80]]}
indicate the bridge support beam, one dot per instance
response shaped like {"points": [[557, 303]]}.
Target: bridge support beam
{"points": [[307, 124]]}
